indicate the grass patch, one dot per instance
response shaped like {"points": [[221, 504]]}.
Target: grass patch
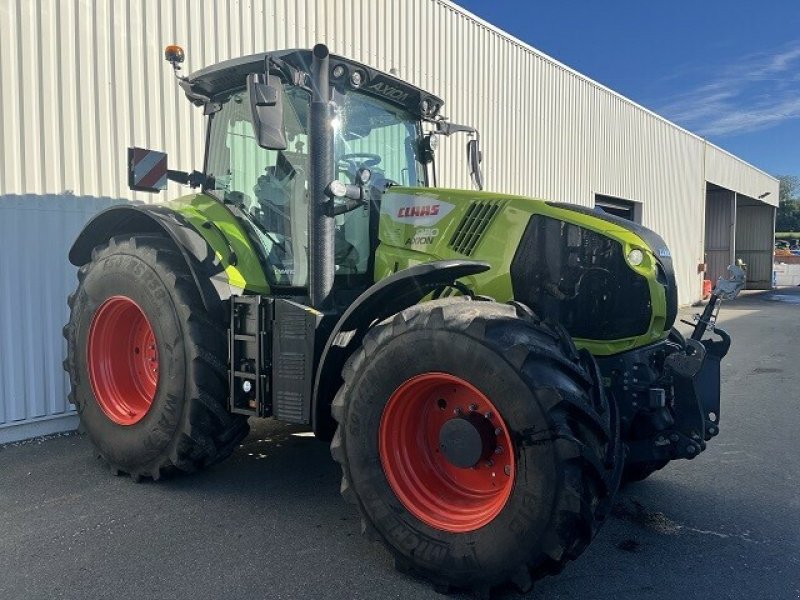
{"points": [[787, 235]]}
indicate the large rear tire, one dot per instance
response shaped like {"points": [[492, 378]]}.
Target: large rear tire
{"points": [[147, 366], [456, 502]]}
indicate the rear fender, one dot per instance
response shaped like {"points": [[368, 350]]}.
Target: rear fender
{"points": [[207, 270], [387, 297]]}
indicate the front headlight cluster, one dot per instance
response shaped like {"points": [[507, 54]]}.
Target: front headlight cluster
{"points": [[635, 257]]}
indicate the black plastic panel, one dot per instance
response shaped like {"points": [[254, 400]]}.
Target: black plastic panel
{"points": [[294, 330], [579, 278]]}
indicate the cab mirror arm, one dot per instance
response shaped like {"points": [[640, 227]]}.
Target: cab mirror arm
{"points": [[474, 154], [194, 179]]}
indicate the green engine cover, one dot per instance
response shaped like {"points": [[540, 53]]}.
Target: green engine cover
{"points": [[571, 259]]}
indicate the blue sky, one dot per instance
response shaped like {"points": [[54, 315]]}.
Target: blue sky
{"points": [[728, 70]]}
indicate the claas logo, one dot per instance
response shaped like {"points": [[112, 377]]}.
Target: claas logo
{"points": [[429, 210]]}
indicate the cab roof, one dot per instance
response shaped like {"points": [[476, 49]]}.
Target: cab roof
{"points": [[205, 84]]}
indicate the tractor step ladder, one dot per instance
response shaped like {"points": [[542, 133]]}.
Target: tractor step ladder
{"points": [[249, 356]]}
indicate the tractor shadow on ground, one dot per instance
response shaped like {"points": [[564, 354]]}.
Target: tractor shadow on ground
{"points": [[274, 461]]}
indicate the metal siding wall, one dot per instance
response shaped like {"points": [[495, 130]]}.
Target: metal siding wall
{"points": [[755, 227], [93, 81], [35, 279], [90, 80], [731, 172], [720, 223]]}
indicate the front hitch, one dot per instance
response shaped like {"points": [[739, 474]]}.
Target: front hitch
{"points": [[696, 384], [694, 372]]}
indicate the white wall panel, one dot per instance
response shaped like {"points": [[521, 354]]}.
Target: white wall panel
{"points": [[93, 81], [731, 172], [35, 279], [85, 79]]}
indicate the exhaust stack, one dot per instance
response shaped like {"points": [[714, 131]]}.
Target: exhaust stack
{"points": [[320, 223]]}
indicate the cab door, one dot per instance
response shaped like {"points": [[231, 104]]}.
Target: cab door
{"points": [[269, 186]]}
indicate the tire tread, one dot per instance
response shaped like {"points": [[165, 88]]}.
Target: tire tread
{"points": [[207, 432]]}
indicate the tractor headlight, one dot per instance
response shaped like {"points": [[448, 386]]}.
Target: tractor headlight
{"points": [[635, 257], [338, 71], [357, 78]]}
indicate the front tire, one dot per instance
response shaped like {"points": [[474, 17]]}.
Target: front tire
{"points": [[420, 465], [146, 364]]}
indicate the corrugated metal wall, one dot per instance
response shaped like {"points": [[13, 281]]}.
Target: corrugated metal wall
{"points": [[85, 79], [720, 229], [755, 241], [35, 279], [726, 170]]}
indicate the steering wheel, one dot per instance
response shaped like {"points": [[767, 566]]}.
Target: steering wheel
{"points": [[355, 160]]}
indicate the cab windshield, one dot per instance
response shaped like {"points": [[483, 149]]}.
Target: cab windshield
{"points": [[369, 133], [373, 134]]}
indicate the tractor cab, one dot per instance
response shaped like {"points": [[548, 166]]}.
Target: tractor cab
{"points": [[374, 144], [370, 131]]}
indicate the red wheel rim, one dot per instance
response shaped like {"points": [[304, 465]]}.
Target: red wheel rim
{"points": [[123, 360], [436, 491]]}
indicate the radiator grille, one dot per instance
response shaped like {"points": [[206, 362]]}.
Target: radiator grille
{"points": [[476, 221]]}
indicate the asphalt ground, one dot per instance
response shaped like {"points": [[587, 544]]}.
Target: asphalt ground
{"points": [[269, 522]]}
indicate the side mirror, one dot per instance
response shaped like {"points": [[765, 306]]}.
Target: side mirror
{"points": [[147, 170], [266, 105], [474, 158]]}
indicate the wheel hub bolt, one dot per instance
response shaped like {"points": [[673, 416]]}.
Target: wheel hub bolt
{"points": [[489, 415], [498, 450], [498, 431], [473, 407], [490, 463], [507, 470]]}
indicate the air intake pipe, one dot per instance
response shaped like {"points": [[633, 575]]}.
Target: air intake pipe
{"points": [[320, 223]]}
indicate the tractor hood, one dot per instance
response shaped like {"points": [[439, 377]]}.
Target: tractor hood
{"points": [[609, 281]]}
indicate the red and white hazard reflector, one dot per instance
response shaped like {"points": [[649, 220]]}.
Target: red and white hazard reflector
{"points": [[147, 170]]}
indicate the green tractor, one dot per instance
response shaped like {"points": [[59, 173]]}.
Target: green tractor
{"points": [[487, 367]]}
